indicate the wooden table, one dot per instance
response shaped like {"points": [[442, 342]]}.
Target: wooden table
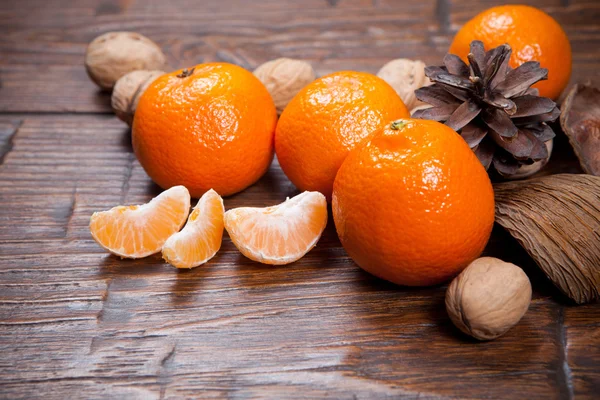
{"points": [[78, 323]]}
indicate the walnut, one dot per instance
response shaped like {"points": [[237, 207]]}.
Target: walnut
{"points": [[284, 77], [112, 55], [128, 90], [405, 76], [488, 298]]}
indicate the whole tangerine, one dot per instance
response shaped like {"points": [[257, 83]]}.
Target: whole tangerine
{"points": [[327, 119], [532, 34], [207, 127], [413, 204]]}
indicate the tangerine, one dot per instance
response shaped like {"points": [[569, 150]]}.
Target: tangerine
{"points": [[532, 34], [328, 118], [413, 204], [210, 126]]}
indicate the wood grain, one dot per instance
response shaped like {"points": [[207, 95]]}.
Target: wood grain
{"points": [[43, 46], [231, 328], [75, 321], [581, 332]]}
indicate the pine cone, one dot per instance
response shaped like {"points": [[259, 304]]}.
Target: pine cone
{"points": [[492, 106]]}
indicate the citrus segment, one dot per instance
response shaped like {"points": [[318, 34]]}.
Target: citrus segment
{"points": [[279, 234], [141, 230], [201, 237]]}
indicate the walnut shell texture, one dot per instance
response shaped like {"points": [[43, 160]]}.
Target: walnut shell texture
{"points": [[128, 90], [405, 76], [556, 219], [488, 298], [283, 78], [114, 54]]}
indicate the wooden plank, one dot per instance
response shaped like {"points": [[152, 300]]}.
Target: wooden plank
{"points": [[52, 88], [47, 160], [42, 63], [581, 335], [318, 327], [8, 128], [367, 342], [74, 319]]}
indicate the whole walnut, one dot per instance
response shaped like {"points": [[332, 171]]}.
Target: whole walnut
{"points": [[405, 76], [128, 90], [112, 55], [284, 77], [488, 298]]}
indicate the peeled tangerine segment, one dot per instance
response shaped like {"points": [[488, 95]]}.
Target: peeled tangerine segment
{"points": [[201, 238], [139, 231], [279, 234]]}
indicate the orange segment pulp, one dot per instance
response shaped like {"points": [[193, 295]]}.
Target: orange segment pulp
{"points": [[201, 238], [279, 234], [141, 230]]}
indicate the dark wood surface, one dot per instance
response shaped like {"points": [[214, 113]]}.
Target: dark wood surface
{"points": [[76, 322]]}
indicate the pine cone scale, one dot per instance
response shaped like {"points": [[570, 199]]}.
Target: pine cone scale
{"points": [[492, 106], [463, 115], [500, 122], [520, 79], [441, 113], [505, 166], [499, 101], [473, 134], [520, 146], [542, 132], [478, 51], [436, 96], [539, 151], [485, 151], [455, 65], [528, 105]]}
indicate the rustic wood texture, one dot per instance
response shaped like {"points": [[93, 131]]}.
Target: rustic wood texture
{"points": [[43, 42], [77, 322]]}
